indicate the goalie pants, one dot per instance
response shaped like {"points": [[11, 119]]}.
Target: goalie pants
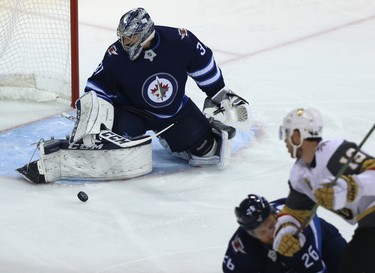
{"points": [[190, 127], [359, 256]]}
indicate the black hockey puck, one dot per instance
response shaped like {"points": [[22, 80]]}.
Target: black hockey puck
{"points": [[82, 196]]}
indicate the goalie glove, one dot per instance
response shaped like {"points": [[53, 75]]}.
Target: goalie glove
{"points": [[335, 196], [93, 113], [285, 241], [229, 108]]}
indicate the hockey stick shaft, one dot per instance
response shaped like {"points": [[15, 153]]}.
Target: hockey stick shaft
{"points": [[125, 142], [333, 183], [118, 139]]}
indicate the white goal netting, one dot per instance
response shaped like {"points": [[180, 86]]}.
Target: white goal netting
{"points": [[35, 50]]}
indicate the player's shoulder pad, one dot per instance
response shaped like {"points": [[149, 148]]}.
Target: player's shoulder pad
{"points": [[343, 149], [330, 146], [114, 49], [237, 244], [178, 33], [181, 34], [243, 243]]}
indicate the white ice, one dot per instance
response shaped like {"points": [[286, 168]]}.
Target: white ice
{"points": [[278, 54]]}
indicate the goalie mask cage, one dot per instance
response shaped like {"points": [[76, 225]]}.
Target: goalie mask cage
{"points": [[39, 50]]}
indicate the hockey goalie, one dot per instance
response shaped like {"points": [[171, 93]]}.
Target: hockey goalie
{"points": [[94, 152], [139, 86]]}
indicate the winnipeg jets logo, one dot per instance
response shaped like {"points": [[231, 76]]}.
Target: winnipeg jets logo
{"points": [[159, 90]]}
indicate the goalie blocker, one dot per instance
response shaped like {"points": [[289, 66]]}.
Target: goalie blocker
{"points": [[60, 160]]}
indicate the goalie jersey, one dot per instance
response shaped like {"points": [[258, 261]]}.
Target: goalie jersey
{"points": [[155, 82]]}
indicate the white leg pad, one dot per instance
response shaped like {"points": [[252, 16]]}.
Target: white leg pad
{"points": [[221, 161], [225, 150], [197, 161], [87, 164], [222, 154]]}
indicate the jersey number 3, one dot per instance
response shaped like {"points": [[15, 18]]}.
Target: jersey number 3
{"points": [[201, 48]]}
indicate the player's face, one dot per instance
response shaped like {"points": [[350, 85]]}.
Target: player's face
{"points": [[291, 141], [129, 41], [264, 232]]}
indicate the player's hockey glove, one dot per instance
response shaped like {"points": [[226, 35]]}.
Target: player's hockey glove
{"points": [[286, 242], [229, 108], [335, 196]]}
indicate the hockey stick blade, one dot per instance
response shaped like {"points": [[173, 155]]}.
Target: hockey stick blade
{"points": [[125, 142]]}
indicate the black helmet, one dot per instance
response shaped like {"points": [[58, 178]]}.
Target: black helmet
{"points": [[252, 211]]}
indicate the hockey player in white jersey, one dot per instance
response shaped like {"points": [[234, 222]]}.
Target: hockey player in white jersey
{"points": [[352, 196]]}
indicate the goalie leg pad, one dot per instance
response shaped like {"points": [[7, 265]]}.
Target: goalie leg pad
{"points": [[225, 135], [223, 147], [193, 160], [98, 163], [31, 173]]}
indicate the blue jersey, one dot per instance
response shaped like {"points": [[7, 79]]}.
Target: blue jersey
{"points": [[321, 252], [155, 82]]}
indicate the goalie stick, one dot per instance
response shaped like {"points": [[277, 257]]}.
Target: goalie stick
{"points": [[118, 139], [341, 172], [126, 142]]}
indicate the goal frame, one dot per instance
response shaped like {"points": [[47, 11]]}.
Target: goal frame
{"points": [[47, 66], [74, 40]]}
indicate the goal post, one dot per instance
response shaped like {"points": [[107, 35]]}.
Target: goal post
{"points": [[74, 38], [39, 53]]}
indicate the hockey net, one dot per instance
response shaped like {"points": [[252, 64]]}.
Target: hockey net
{"points": [[39, 50]]}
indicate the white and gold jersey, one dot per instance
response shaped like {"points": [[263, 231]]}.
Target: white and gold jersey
{"points": [[330, 156]]}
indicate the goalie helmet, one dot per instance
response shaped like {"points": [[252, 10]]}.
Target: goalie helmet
{"points": [[135, 29], [252, 211]]}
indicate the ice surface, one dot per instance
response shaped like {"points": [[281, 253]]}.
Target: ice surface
{"points": [[277, 54]]}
